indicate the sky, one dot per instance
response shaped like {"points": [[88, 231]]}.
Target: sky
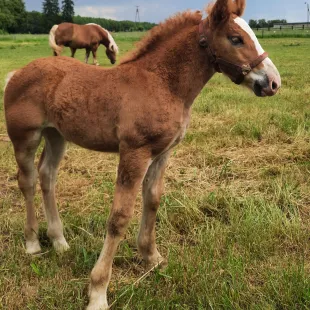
{"points": [[158, 10]]}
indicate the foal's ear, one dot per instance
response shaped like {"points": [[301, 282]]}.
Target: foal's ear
{"points": [[239, 7], [219, 12]]}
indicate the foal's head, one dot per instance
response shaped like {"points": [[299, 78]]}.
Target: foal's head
{"points": [[235, 50]]}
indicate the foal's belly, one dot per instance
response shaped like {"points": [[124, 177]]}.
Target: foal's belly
{"points": [[101, 145], [89, 136]]}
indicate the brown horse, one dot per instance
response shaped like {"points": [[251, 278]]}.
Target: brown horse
{"points": [[140, 109], [88, 36]]}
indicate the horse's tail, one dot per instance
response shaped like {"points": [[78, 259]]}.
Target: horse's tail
{"points": [[52, 41]]}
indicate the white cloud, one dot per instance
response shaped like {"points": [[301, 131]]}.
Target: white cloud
{"points": [[98, 11], [149, 11]]}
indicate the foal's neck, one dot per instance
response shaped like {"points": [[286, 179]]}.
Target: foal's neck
{"points": [[182, 64]]}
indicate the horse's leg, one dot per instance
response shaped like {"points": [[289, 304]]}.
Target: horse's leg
{"points": [[132, 168], [87, 55], [153, 186], [73, 50], [48, 168], [94, 51], [25, 148]]}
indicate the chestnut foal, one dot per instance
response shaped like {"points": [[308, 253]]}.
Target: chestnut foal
{"points": [[88, 36], [140, 109]]}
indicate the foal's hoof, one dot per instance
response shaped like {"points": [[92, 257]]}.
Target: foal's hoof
{"points": [[97, 299], [97, 307], [33, 247], [160, 263], [61, 245]]}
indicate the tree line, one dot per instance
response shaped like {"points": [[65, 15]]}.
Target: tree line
{"points": [[262, 23], [15, 19]]}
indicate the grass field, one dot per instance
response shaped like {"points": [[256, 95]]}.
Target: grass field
{"points": [[234, 221], [284, 33]]}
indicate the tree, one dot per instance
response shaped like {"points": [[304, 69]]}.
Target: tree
{"points": [[262, 23], [67, 10], [51, 13], [276, 21], [12, 15], [6, 17], [253, 23], [35, 23]]}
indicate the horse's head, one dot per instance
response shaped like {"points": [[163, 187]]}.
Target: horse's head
{"points": [[111, 53], [234, 49], [108, 41]]}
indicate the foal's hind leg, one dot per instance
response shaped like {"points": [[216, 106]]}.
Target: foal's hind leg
{"points": [[48, 168], [152, 190], [25, 148]]}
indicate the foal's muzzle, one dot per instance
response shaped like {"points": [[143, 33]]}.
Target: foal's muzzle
{"points": [[266, 87]]}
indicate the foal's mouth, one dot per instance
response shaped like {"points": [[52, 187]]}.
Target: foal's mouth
{"points": [[266, 88]]}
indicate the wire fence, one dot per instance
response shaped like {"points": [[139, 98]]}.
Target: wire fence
{"points": [[283, 32]]}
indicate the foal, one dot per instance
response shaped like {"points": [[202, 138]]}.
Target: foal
{"points": [[140, 109], [88, 36]]}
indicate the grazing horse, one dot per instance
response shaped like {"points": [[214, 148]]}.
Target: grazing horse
{"points": [[88, 36], [140, 109]]}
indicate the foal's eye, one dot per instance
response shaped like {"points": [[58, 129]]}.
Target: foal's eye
{"points": [[236, 40]]}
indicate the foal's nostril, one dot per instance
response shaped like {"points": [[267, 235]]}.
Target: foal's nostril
{"points": [[274, 85]]}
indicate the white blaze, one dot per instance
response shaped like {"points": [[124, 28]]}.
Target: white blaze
{"points": [[270, 68], [245, 26]]}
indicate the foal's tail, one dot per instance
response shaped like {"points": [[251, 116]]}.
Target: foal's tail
{"points": [[52, 41]]}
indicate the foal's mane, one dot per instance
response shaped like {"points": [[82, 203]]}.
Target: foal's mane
{"points": [[162, 32]]}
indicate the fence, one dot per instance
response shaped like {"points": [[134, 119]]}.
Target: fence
{"points": [[293, 31], [292, 26]]}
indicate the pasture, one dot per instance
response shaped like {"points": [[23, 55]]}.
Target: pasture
{"points": [[234, 221]]}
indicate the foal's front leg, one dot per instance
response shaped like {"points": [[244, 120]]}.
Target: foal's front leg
{"points": [[132, 168], [153, 186]]}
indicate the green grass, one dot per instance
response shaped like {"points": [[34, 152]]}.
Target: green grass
{"points": [[284, 33], [234, 220]]}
